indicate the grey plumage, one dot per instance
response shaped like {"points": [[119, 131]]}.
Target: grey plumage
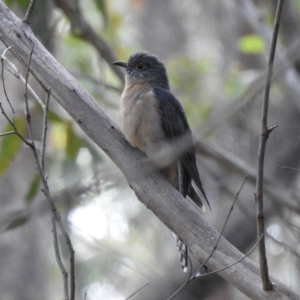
{"points": [[153, 120]]}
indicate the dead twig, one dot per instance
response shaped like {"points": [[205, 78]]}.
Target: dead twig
{"points": [[2, 76], [137, 291], [46, 191], [265, 131], [288, 168], [19, 76], [222, 269], [44, 133], [58, 257], [81, 28], [69, 291]]}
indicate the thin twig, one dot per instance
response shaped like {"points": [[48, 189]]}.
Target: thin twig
{"points": [[2, 76], [40, 167], [137, 291], [46, 189], [224, 226], [214, 248], [44, 134], [7, 133], [96, 81], [14, 127], [55, 212], [71, 252], [29, 12], [28, 117], [237, 261], [265, 131], [19, 76], [222, 269], [288, 168], [58, 258]]}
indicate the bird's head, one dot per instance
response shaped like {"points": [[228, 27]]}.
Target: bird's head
{"points": [[145, 67]]}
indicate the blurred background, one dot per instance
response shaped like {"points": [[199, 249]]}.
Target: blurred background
{"points": [[216, 54]]}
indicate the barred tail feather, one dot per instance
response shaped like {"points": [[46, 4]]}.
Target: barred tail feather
{"points": [[183, 253]]}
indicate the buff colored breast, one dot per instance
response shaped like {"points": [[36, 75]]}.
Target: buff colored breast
{"points": [[139, 118]]}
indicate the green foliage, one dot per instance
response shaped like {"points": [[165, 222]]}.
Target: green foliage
{"points": [[18, 221], [251, 44], [22, 3], [33, 188], [233, 86], [77, 54], [73, 142], [187, 74], [10, 144], [53, 117]]}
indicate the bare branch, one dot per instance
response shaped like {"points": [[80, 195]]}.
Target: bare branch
{"points": [[19, 76], [58, 258], [28, 117], [236, 262], [274, 190], [86, 32], [55, 212], [2, 76], [137, 291], [16, 132], [265, 131], [29, 12], [8, 133], [288, 168], [46, 191], [44, 133], [219, 270]]}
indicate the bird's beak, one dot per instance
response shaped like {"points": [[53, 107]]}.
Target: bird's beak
{"points": [[120, 64]]}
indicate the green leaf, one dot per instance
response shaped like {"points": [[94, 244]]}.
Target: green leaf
{"points": [[73, 142], [10, 144], [33, 188], [54, 117], [251, 44], [22, 3], [8, 2], [19, 221]]}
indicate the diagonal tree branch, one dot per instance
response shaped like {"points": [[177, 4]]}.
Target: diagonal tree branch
{"points": [[154, 191]]}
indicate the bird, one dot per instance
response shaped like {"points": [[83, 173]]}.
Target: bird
{"points": [[152, 119]]}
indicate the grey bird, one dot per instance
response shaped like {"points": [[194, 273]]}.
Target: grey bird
{"points": [[153, 120]]}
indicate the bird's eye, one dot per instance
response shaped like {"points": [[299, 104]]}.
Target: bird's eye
{"points": [[139, 67]]}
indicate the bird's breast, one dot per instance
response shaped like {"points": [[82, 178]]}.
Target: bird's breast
{"points": [[139, 118]]}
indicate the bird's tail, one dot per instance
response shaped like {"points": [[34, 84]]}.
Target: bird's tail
{"points": [[193, 194], [183, 252]]}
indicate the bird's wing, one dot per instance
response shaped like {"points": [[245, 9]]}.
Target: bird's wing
{"points": [[176, 128]]}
